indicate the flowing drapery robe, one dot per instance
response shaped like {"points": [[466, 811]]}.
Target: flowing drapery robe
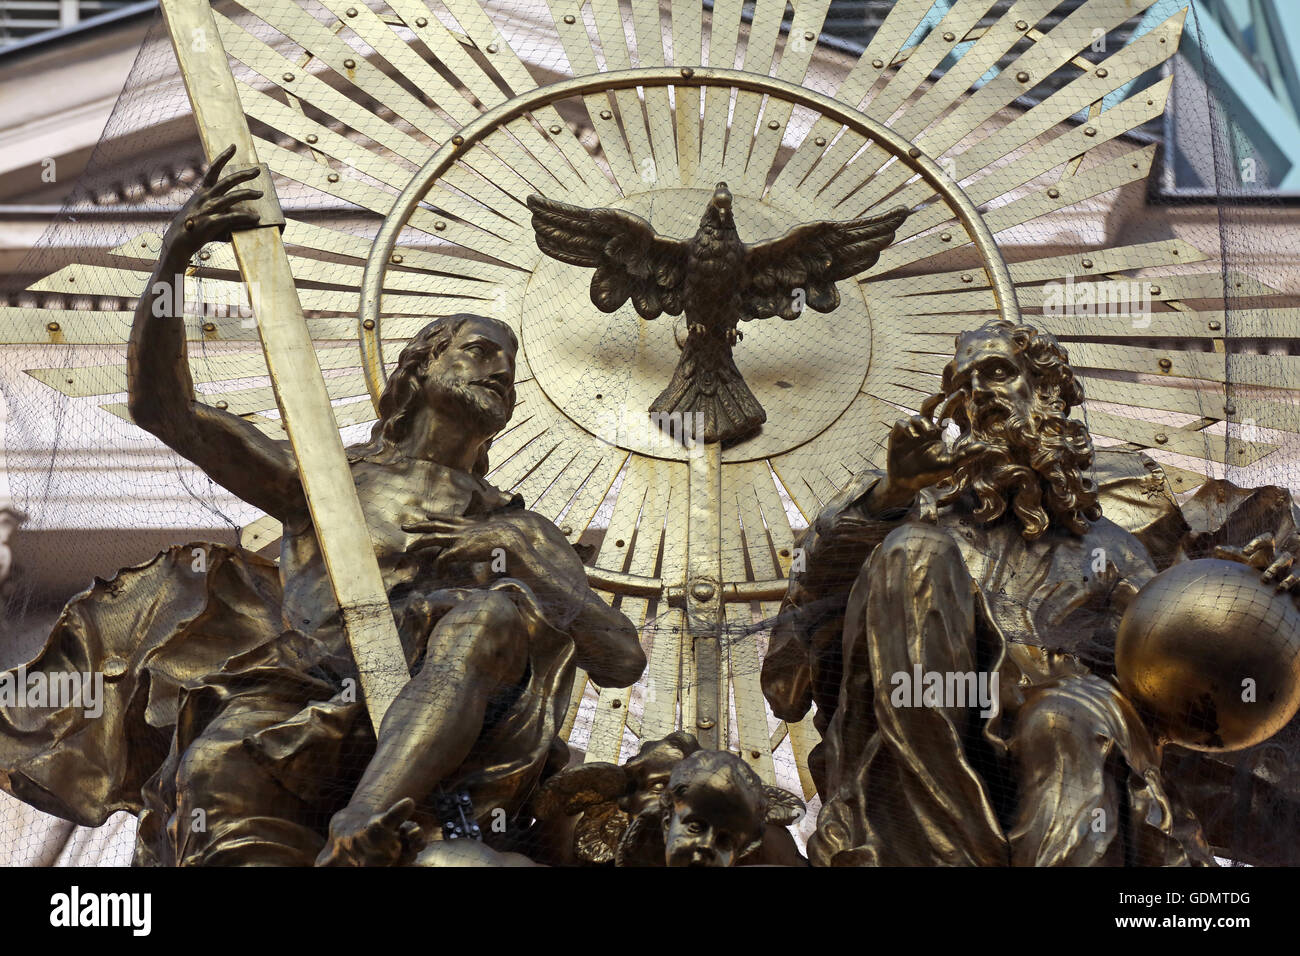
{"points": [[220, 699]]}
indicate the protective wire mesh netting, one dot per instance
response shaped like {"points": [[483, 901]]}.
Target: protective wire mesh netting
{"points": [[229, 696]]}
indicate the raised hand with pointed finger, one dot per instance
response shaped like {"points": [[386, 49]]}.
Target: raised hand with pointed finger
{"points": [[917, 458]]}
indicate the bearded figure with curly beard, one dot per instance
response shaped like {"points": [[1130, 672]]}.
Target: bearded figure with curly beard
{"points": [[965, 690]]}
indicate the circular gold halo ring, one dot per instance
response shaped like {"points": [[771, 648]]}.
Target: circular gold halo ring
{"points": [[1004, 292]]}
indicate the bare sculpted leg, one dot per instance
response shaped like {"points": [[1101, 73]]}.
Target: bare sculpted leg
{"points": [[476, 649]]}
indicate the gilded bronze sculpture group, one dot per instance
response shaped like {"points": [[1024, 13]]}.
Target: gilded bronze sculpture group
{"points": [[956, 621]]}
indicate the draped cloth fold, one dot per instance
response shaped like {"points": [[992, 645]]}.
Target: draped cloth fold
{"points": [[1063, 774], [235, 738]]}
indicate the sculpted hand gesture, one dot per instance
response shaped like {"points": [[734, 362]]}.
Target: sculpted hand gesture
{"points": [[210, 214], [1276, 562], [917, 458], [465, 540]]}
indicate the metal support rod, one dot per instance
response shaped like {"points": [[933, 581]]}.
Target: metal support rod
{"points": [[295, 374], [704, 595]]}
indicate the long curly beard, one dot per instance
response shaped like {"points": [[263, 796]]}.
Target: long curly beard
{"points": [[1034, 462]]}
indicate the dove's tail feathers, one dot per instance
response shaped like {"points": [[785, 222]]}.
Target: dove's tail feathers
{"points": [[708, 391]]}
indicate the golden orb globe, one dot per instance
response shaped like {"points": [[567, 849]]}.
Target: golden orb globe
{"points": [[1212, 654]]}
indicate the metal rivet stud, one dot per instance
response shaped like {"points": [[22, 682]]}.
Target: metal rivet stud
{"points": [[352, 12], [914, 152], [705, 723], [606, 114], [878, 64], [1216, 325], [52, 327], [819, 141], [809, 36], [209, 326], [492, 48], [1087, 263], [204, 256], [439, 225], [223, 404], [568, 18], [349, 64], [773, 124], [556, 129], [949, 37], [1054, 193], [458, 140], [1022, 25], [945, 237], [311, 138], [1161, 438], [333, 177], [703, 591], [1103, 72], [368, 324], [114, 667], [687, 72], [1155, 290], [421, 22], [288, 77], [1166, 364], [1090, 131], [967, 277], [1022, 77], [397, 257]]}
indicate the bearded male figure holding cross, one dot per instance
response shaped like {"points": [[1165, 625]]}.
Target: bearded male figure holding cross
{"points": [[236, 725]]}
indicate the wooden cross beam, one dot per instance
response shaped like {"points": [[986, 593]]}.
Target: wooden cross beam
{"points": [[295, 373]]}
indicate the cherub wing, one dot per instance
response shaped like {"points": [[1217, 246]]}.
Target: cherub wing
{"points": [[813, 257], [631, 259], [573, 791]]}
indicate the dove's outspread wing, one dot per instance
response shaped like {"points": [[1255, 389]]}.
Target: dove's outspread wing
{"points": [[631, 259], [813, 258]]}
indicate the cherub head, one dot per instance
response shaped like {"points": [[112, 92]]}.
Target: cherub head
{"points": [[628, 811], [1010, 388], [715, 809], [648, 772], [612, 799]]}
